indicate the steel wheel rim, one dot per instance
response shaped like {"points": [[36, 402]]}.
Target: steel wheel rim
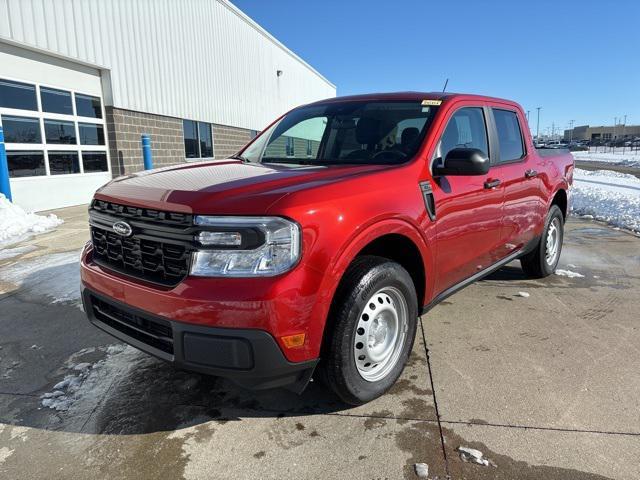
{"points": [[552, 242], [381, 333]]}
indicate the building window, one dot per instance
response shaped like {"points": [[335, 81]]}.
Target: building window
{"points": [[21, 129], [94, 162], [88, 106], [253, 134], [290, 149], [18, 95], [72, 142], [309, 148], [62, 163], [198, 139], [56, 101], [60, 132], [26, 164], [91, 134]]}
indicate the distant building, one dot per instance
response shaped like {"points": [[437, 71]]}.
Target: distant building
{"points": [[603, 133]]}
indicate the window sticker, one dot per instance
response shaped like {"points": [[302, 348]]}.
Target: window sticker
{"points": [[434, 103]]}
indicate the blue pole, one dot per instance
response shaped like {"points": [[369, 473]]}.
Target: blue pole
{"points": [[146, 152], [5, 186]]}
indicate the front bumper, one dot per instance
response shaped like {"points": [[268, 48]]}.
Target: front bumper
{"points": [[249, 357]]}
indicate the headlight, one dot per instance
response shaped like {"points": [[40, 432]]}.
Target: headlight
{"points": [[245, 246]]}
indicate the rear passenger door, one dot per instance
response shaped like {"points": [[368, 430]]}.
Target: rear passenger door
{"points": [[518, 173]]}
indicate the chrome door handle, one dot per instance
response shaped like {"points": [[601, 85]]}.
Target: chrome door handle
{"points": [[531, 173]]}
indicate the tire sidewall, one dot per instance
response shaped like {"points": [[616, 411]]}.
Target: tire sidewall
{"points": [[388, 274], [554, 212]]}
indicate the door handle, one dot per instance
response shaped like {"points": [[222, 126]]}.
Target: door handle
{"points": [[491, 184], [530, 173]]}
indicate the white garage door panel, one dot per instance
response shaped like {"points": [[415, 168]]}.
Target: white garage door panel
{"points": [[38, 68], [35, 194], [49, 191]]}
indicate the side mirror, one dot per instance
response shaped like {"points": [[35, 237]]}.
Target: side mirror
{"points": [[463, 161]]}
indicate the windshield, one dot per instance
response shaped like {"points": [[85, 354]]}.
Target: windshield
{"points": [[345, 133]]}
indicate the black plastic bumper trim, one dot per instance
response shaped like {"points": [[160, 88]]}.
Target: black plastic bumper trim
{"points": [[253, 358]]}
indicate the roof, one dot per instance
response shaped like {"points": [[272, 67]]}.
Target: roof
{"points": [[389, 96]]}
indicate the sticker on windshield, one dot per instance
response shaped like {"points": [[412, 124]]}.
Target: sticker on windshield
{"points": [[431, 102]]}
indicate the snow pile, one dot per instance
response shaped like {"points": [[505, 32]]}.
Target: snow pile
{"points": [[474, 456], [88, 379], [16, 224], [422, 470], [56, 276], [523, 294], [607, 196], [568, 273], [628, 158]]}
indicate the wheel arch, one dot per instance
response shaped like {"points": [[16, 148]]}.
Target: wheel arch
{"points": [[560, 199]]}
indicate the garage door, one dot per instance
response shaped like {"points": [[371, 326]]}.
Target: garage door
{"points": [[53, 118]]}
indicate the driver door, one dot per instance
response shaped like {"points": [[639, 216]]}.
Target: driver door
{"points": [[469, 208]]}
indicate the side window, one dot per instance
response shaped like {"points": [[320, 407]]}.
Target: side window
{"points": [[509, 135], [466, 129]]}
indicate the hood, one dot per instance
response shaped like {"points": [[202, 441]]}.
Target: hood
{"points": [[221, 187]]}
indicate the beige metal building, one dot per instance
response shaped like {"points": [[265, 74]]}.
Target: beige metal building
{"points": [[81, 81]]}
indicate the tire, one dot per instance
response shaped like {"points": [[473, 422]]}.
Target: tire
{"points": [[370, 331], [543, 260]]}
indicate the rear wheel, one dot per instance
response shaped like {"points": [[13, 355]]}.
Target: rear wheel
{"points": [[372, 330], [543, 260]]}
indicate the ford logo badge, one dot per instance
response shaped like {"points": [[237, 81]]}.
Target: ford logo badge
{"points": [[122, 228]]}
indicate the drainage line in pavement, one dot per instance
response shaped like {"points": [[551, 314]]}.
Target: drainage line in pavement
{"points": [[548, 429], [435, 401]]}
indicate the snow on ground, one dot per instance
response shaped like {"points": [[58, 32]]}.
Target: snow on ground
{"points": [[568, 273], [607, 196], [16, 224], [57, 276], [6, 253], [88, 382], [628, 158]]}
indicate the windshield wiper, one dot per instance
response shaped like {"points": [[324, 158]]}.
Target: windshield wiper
{"points": [[292, 161], [237, 156]]}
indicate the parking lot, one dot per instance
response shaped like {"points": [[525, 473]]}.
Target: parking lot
{"points": [[546, 385]]}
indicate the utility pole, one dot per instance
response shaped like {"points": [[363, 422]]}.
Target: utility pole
{"points": [[624, 143], [538, 126], [571, 122], [527, 116]]}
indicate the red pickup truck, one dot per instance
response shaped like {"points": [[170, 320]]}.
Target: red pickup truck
{"points": [[318, 245]]}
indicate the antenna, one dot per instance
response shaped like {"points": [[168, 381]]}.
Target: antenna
{"points": [[445, 85]]}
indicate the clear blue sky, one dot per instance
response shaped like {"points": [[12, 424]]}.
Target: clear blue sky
{"points": [[577, 59]]}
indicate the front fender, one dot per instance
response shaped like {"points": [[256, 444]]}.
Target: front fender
{"points": [[355, 244]]}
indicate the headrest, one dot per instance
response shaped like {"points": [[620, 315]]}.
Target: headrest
{"points": [[409, 136], [368, 131]]}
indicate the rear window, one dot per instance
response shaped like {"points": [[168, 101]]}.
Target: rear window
{"points": [[509, 135]]}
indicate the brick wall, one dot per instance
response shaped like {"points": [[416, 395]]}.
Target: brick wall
{"points": [[228, 140], [125, 128]]}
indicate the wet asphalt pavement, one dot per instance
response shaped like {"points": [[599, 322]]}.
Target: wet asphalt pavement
{"points": [[546, 386]]}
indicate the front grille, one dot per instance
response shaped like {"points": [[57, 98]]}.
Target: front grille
{"points": [[158, 250], [155, 333]]}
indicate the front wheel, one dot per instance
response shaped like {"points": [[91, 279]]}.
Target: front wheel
{"points": [[543, 260], [372, 330]]}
